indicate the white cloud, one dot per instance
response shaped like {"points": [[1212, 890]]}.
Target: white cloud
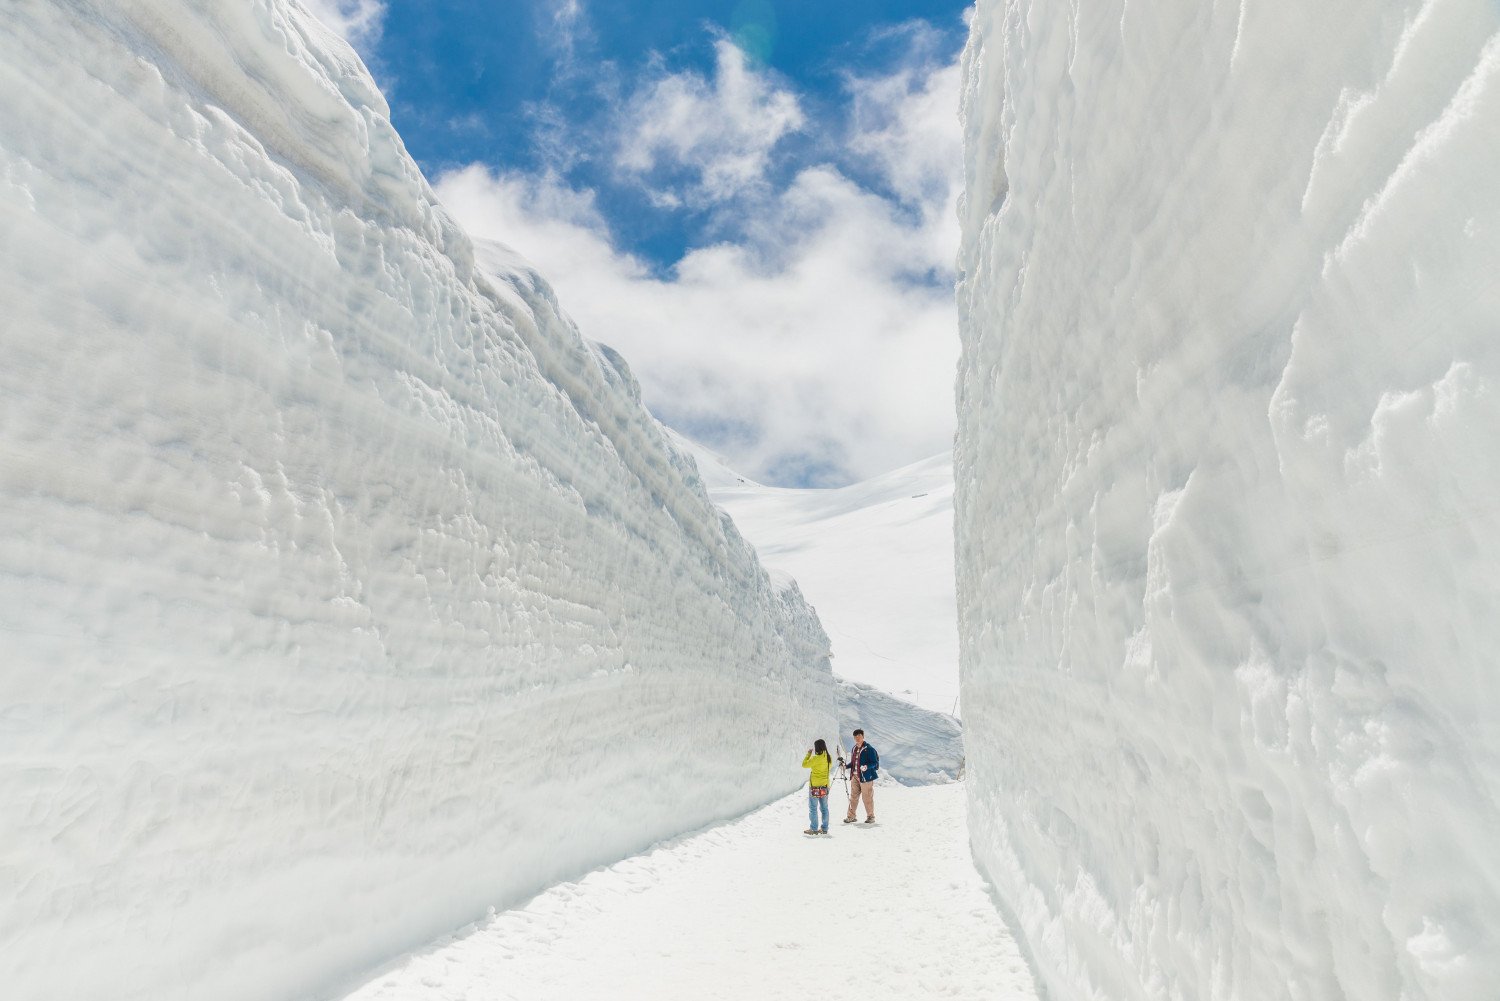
{"points": [[719, 131], [823, 340], [568, 29], [358, 21], [906, 125], [566, 13]]}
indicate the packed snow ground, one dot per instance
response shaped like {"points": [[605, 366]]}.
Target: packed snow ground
{"points": [[749, 911], [1228, 467], [876, 561]]}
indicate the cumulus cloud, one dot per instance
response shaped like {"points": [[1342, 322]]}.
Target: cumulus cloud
{"points": [[905, 126], [816, 346], [701, 140], [358, 21], [905, 123]]}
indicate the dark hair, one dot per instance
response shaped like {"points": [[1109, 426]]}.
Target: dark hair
{"points": [[821, 748], [859, 733]]}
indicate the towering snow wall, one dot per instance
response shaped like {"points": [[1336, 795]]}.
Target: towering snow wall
{"points": [[1228, 504], [344, 590]]}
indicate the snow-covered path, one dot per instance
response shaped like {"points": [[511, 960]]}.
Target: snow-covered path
{"points": [[747, 910]]}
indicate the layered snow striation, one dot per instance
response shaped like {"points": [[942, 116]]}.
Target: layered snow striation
{"points": [[345, 590], [1227, 479]]}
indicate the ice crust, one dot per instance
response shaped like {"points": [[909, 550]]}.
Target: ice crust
{"points": [[1227, 475], [345, 590]]}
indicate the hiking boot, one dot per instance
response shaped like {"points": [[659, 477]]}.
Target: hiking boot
{"points": [[811, 830], [823, 831]]}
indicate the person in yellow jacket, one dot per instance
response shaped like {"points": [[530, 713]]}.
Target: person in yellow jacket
{"points": [[819, 761]]}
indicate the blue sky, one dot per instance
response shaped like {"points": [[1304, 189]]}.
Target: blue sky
{"points": [[751, 200], [524, 84]]}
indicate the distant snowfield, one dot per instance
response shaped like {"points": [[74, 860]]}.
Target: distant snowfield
{"points": [[876, 561], [747, 911]]}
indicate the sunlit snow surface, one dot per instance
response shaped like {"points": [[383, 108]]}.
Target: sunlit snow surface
{"points": [[344, 591], [1228, 493], [874, 558], [748, 911]]}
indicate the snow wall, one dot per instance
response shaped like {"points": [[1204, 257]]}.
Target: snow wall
{"points": [[344, 590], [917, 746], [1228, 493]]}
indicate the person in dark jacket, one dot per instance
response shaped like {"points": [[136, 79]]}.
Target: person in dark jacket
{"points": [[864, 769]]}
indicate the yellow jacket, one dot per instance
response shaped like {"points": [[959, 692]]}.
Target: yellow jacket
{"points": [[819, 764]]}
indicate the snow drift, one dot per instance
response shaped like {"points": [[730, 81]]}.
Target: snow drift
{"points": [[1227, 477], [344, 589]]}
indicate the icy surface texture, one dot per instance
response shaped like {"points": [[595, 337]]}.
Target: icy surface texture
{"points": [[917, 746], [1227, 477], [344, 590]]}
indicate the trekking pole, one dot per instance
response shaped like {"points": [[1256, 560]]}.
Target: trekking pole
{"points": [[843, 771]]}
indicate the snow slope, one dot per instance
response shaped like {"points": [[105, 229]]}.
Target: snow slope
{"points": [[333, 572], [745, 912], [875, 559], [1227, 477]]}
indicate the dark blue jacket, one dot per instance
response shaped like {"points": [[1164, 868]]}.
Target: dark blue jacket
{"points": [[867, 761]]}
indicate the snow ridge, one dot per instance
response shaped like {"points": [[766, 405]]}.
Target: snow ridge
{"points": [[1225, 505], [336, 569]]}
